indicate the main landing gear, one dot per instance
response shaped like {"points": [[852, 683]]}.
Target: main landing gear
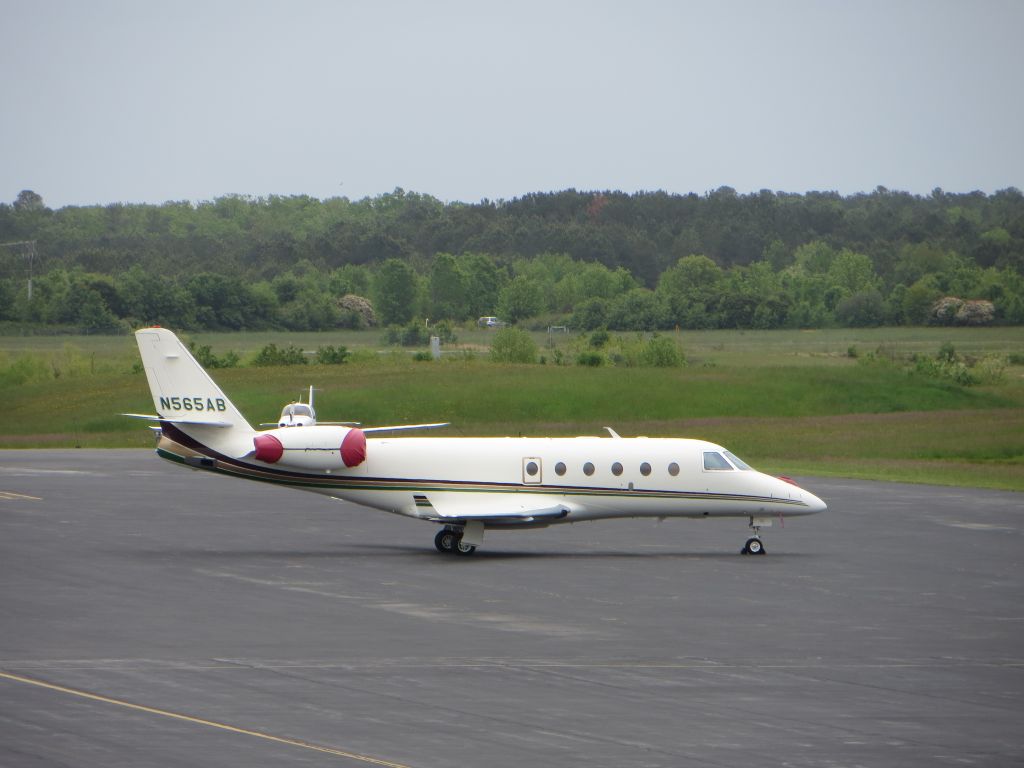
{"points": [[449, 541], [754, 545]]}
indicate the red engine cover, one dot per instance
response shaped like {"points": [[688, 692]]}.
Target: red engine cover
{"points": [[268, 448], [353, 448]]}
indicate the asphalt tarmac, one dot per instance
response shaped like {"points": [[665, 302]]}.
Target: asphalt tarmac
{"points": [[155, 616]]}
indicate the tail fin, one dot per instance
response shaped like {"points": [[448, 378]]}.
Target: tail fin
{"points": [[183, 393]]}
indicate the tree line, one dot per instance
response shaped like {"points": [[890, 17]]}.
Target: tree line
{"points": [[590, 260]]}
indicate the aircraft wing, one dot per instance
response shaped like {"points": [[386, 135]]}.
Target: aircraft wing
{"points": [[491, 507]]}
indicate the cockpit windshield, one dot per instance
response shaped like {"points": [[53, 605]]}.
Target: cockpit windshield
{"points": [[738, 462]]}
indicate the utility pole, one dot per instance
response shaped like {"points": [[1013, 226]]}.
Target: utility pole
{"points": [[28, 250]]}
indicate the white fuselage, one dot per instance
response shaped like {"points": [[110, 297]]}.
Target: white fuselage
{"points": [[656, 477]]}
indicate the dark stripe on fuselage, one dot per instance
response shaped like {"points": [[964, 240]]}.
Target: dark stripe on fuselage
{"points": [[237, 468]]}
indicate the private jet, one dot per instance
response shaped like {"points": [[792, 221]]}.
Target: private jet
{"points": [[465, 485]]}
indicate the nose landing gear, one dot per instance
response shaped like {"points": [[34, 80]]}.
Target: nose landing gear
{"points": [[754, 545]]}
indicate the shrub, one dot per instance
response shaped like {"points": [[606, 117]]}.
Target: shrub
{"points": [[592, 359], [444, 331], [415, 334], [204, 355], [271, 355], [991, 369], [330, 355], [356, 312], [976, 313], [512, 345], [943, 369], [662, 352], [947, 352], [26, 369], [950, 310]]}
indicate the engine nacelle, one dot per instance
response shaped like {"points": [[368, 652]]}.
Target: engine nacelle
{"points": [[316, 447]]}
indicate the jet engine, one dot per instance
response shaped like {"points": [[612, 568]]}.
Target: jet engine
{"points": [[316, 447]]}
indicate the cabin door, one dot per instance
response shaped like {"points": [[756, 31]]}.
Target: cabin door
{"points": [[532, 470]]}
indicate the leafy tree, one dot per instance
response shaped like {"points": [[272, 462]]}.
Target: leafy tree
{"points": [[691, 290], [918, 300], [919, 259], [483, 283], [312, 311], [753, 297], [28, 201], [519, 299], [863, 308], [852, 273], [151, 300], [448, 289], [590, 314], [814, 258], [639, 310], [350, 279], [395, 290]]}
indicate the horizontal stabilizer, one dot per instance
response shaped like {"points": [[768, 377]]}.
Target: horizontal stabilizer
{"points": [[191, 420], [491, 507]]}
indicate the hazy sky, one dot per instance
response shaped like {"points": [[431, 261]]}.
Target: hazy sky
{"points": [[133, 101]]}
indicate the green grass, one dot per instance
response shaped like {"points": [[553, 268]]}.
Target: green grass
{"points": [[787, 401]]}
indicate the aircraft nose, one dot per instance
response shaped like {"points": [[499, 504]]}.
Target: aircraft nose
{"points": [[814, 504]]}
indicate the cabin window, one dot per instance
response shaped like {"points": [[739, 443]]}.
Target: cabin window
{"points": [[645, 469], [532, 468], [588, 469], [560, 469], [737, 461], [673, 469], [616, 469], [716, 462]]}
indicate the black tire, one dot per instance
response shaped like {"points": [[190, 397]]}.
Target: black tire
{"points": [[465, 550], [445, 541], [754, 547]]}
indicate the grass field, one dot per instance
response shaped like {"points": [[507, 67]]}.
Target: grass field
{"points": [[787, 401]]}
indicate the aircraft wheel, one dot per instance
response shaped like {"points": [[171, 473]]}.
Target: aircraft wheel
{"points": [[753, 547], [445, 541], [463, 549]]}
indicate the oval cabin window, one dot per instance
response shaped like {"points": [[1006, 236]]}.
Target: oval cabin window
{"points": [[559, 469], [616, 469], [588, 469], [531, 468], [645, 469], [673, 469]]}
